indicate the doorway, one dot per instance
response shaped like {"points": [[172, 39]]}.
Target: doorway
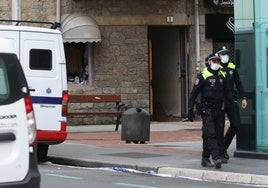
{"points": [[167, 61]]}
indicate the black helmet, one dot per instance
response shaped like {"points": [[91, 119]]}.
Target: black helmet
{"points": [[222, 50], [213, 56]]}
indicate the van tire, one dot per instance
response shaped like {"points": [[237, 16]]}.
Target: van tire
{"points": [[42, 150]]}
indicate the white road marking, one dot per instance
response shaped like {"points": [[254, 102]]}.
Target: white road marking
{"points": [[134, 185], [63, 176]]}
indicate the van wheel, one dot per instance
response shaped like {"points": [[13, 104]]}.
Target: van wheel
{"points": [[42, 150]]}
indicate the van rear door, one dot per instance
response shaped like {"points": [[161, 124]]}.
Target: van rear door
{"points": [[14, 145], [40, 57]]}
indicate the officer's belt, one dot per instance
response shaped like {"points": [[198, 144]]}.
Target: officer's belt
{"points": [[212, 105]]}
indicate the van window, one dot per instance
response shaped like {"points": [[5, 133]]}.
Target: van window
{"points": [[4, 89], [12, 79], [40, 59]]}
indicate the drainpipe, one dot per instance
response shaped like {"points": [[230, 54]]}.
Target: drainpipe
{"points": [[58, 11], [197, 38], [16, 10]]}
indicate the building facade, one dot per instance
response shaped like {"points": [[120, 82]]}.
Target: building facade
{"points": [[147, 51], [251, 49]]}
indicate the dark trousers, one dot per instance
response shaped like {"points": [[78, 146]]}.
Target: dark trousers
{"points": [[211, 130], [232, 112]]}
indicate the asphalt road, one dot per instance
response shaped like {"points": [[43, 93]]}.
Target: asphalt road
{"points": [[58, 176]]}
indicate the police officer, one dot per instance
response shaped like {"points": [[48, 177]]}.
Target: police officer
{"points": [[211, 85], [231, 107]]}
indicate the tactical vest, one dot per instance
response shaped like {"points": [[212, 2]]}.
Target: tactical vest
{"points": [[213, 90], [229, 71]]}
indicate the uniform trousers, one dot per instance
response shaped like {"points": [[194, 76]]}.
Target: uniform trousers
{"points": [[212, 132], [232, 112]]}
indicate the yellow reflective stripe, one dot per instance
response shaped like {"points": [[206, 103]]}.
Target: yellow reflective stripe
{"points": [[206, 74], [231, 65], [222, 73]]}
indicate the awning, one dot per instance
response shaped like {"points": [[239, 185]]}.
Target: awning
{"points": [[80, 28]]}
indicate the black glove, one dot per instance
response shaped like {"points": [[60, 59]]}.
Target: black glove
{"points": [[191, 115]]}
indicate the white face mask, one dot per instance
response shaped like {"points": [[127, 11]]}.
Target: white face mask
{"points": [[215, 66], [225, 58]]}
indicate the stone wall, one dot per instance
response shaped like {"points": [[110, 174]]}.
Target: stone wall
{"points": [[121, 63], [120, 66], [5, 9]]}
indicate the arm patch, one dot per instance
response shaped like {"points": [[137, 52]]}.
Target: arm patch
{"points": [[196, 81]]}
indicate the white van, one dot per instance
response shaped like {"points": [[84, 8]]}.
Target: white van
{"points": [[41, 53], [18, 162]]}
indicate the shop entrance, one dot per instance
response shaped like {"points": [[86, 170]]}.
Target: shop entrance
{"points": [[167, 62]]}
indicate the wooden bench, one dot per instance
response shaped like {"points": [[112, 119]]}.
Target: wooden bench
{"points": [[111, 98]]}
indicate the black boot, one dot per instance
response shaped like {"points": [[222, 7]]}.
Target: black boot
{"points": [[206, 162], [217, 163], [224, 157], [224, 160]]}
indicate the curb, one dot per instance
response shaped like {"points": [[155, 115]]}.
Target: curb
{"points": [[97, 164], [207, 175]]}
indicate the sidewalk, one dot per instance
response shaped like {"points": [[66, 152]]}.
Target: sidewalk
{"points": [[174, 149]]}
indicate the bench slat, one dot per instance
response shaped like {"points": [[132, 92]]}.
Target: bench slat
{"points": [[94, 113], [110, 98], [94, 98]]}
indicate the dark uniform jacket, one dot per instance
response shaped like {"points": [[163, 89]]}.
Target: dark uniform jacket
{"points": [[233, 79], [212, 87]]}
